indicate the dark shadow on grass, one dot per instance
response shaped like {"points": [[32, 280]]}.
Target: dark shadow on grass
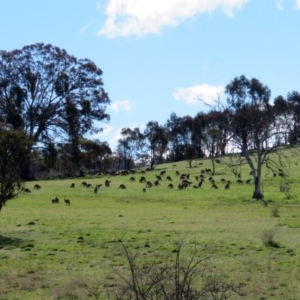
{"points": [[10, 242]]}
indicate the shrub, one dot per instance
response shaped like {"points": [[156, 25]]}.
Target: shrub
{"points": [[268, 238], [82, 171], [285, 188], [275, 211], [189, 279]]}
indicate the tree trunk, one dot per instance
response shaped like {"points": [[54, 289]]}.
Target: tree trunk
{"points": [[213, 164], [26, 171], [257, 194], [151, 164]]}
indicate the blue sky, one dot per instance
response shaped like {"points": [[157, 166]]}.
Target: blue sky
{"points": [[162, 56]]}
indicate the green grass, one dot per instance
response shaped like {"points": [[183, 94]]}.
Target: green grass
{"points": [[68, 250]]}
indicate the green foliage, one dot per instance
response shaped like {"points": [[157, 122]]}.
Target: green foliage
{"points": [[82, 171], [13, 153], [45, 90]]}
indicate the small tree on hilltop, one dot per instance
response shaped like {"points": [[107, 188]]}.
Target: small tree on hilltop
{"points": [[190, 154]]}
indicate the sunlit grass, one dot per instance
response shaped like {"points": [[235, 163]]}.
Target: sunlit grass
{"points": [[66, 243]]}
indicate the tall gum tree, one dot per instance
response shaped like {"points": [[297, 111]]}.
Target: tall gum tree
{"points": [[253, 127], [129, 146], [156, 141], [50, 94]]}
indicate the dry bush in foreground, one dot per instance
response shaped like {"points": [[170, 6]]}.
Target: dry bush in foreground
{"points": [[268, 238], [275, 212], [188, 279], [285, 188]]}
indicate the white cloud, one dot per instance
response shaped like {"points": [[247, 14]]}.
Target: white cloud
{"points": [[119, 105], [113, 141], [84, 28], [279, 4], [141, 17], [194, 95]]}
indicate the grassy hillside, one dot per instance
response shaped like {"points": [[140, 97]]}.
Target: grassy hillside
{"points": [[56, 251]]}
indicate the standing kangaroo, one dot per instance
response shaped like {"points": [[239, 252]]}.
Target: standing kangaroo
{"points": [[67, 201]]}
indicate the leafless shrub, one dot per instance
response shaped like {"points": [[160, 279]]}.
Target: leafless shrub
{"points": [[189, 279], [267, 238], [285, 188], [74, 289], [97, 291]]}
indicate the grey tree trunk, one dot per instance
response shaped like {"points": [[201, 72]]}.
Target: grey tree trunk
{"points": [[257, 194]]}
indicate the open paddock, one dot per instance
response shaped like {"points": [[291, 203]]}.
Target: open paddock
{"points": [[59, 251]]}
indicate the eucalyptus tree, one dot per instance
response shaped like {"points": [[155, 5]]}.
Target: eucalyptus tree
{"points": [[293, 100], [253, 125], [284, 119], [190, 154], [156, 141], [212, 141], [51, 94], [129, 146], [200, 125], [14, 146], [96, 154], [180, 132]]}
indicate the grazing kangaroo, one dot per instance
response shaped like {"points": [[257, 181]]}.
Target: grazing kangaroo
{"points": [[170, 186], [200, 184], [36, 187], [227, 186], [67, 201], [72, 185], [122, 186], [156, 183], [55, 200], [169, 178], [142, 179], [158, 177], [248, 181], [144, 190], [26, 190], [149, 184], [214, 186]]}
